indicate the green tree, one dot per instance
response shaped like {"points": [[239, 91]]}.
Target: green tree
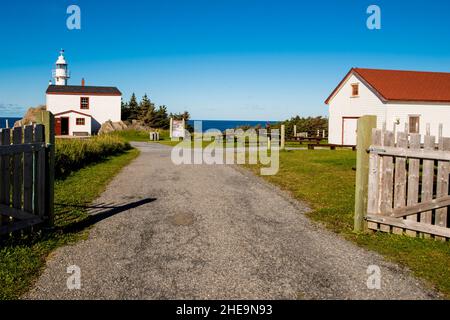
{"points": [[161, 118], [125, 111], [146, 110], [133, 108]]}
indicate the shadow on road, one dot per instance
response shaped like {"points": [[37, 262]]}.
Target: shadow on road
{"points": [[99, 212]]}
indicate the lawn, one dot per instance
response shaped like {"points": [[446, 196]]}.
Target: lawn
{"points": [[326, 181], [22, 261]]}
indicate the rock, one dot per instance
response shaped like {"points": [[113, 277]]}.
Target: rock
{"points": [[30, 116], [110, 126]]}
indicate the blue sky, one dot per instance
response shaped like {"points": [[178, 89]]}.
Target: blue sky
{"points": [[218, 59]]}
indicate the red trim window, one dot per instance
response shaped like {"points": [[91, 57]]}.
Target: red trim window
{"points": [[84, 103], [355, 90], [80, 121]]}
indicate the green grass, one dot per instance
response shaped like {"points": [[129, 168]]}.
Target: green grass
{"points": [[22, 260], [326, 181], [132, 135], [74, 154]]}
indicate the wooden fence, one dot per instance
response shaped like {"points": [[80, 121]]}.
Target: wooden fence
{"points": [[407, 184], [27, 176]]}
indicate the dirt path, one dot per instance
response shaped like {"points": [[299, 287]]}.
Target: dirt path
{"points": [[211, 232]]}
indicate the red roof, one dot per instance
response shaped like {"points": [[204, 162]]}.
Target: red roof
{"points": [[395, 85]]}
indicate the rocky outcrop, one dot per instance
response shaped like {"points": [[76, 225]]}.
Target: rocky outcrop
{"points": [[30, 116], [110, 126]]}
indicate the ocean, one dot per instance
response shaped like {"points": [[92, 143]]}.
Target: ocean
{"points": [[10, 120], [222, 125]]}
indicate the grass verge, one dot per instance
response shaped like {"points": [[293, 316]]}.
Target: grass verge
{"points": [[326, 181], [22, 261]]}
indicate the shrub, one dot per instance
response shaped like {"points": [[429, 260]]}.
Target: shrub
{"points": [[74, 154]]}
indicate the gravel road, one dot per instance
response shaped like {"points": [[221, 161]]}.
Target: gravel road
{"points": [[212, 232]]}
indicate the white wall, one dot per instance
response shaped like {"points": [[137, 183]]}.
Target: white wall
{"points": [[344, 105], [101, 108], [73, 127], [434, 114]]}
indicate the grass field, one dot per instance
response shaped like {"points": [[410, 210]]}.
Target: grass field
{"points": [[326, 181], [21, 261]]}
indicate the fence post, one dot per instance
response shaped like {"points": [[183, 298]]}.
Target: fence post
{"points": [[283, 133], [48, 120], [364, 140]]}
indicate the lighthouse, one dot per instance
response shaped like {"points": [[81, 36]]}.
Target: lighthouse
{"points": [[61, 73]]}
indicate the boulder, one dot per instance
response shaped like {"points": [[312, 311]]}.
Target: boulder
{"points": [[110, 126], [30, 116]]}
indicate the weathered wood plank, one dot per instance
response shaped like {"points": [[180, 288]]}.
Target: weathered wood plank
{"points": [[427, 180], [365, 126], [19, 225], [5, 179], [374, 175], [39, 190], [430, 154], [28, 172], [421, 207], [387, 179], [410, 225], [16, 213], [400, 177], [443, 183], [21, 148], [413, 179], [49, 123], [17, 170], [442, 187]]}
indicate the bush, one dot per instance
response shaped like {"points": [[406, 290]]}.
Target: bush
{"points": [[74, 154]]}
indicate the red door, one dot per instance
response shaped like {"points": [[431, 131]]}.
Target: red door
{"points": [[58, 126]]}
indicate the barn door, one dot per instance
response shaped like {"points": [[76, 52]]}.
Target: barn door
{"points": [[349, 127]]}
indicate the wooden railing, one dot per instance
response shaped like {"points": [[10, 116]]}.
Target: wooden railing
{"points": [[27, 176], [407, 183]]}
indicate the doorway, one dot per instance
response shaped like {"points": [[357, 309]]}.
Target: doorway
{"points": [[349, 128], [64, 126]]}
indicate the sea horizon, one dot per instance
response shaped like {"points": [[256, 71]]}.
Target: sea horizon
{"points": [[223, 125], [11, 121]]}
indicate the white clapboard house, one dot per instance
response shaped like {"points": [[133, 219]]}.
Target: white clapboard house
{"points": [[395, 97], [80, 110]]}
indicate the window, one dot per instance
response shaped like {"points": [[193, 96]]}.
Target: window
{"points": [[355, 90], [80, 121], [414, 124], [84, 103]]}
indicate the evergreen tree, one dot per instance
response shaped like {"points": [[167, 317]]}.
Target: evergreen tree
{"points": [[125, 111], [133, 107], [146, 110], [161, 118]]}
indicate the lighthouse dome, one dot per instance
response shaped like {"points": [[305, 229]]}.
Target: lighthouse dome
{"points": [[61, 59]]}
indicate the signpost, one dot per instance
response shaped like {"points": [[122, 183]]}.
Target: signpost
{"points": [[177, 128]]}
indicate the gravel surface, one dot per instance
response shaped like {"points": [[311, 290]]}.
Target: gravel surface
{"points": [[212, 232]]}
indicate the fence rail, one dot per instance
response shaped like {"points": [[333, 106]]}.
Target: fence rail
{"points": [[408, 184], [26, 176]]}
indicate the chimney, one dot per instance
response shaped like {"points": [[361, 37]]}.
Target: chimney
{"points": [[82, 82]]}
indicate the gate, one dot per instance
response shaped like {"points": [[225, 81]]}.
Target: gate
{"points": [[27, 176], [408, 184]]}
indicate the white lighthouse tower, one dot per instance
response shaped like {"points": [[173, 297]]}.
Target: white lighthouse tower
{"points": [[61, 73]]}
